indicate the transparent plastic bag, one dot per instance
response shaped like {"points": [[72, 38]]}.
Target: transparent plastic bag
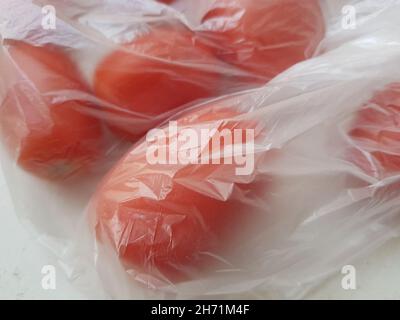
{"points": [[304, 180], [141, 67]]}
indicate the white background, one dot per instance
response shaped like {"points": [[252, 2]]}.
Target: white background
{"points": [[22, 259]]}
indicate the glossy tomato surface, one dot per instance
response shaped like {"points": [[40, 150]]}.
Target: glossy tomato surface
{"points": [[162, 69], [174, 221], [41, 122], [264, 37], [376, 133]]}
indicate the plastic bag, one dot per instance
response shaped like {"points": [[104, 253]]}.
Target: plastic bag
{"points": [[148, 63], [290, 182]]}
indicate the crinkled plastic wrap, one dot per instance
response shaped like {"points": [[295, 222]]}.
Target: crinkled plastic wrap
{"points": [[202, 151]]}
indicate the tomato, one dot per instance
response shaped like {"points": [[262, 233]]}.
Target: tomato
{"points": [[161, 70], [171, 221], [376, 133], [264, 37], [166, 1], [50, 135]]}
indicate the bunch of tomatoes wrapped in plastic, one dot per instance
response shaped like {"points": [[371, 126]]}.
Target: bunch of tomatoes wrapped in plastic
{"points": [[214, 148]]}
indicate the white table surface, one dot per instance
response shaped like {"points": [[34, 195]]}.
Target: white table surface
{"points": [[21, 261]]}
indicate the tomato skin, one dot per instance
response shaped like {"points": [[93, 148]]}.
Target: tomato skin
{"points": [[376, 133], [51, 139], [165, 238], [158, 72], [166, 1], [156, 218], [264, 37]]}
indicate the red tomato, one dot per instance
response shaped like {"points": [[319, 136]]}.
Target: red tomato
{"points": [[158, 72], [376, 132], [166, 1], [50, 137], [264, 37], [171, 221]]}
